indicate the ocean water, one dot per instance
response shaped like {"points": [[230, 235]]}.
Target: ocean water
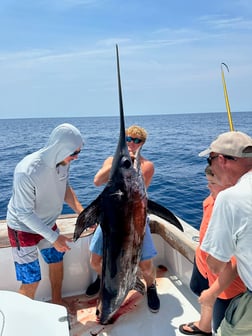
{"points": [[173, 144]]}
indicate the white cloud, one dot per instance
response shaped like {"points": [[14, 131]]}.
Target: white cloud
{"points": [[224, 22]]}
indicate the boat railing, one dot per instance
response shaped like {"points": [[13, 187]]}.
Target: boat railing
{"points": [[184, 242]]}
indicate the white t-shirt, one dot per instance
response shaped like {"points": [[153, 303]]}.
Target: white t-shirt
{"points": [[230, 229]]}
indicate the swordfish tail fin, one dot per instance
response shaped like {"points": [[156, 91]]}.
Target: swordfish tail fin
{"points": [[162, 212]]}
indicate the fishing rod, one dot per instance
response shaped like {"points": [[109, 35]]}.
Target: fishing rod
{"points": [[226, 97]]}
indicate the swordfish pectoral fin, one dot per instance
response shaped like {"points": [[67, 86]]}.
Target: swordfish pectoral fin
{"points": [[162, 212], [87, 218]]}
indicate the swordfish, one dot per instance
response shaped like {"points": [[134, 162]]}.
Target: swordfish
{"points": [[121, 210]]}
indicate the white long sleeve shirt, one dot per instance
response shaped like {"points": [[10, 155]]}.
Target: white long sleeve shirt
{"points": [[39, 184]]}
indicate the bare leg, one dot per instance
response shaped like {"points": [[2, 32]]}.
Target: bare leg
{"points": [[56, 279], [29, 289], [148, 271], [149, 274], [146, 266], [205, 322], [96, 263]]}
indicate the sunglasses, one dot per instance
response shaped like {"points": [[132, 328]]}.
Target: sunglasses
{"points": [[228, 157], [135, 140], [75, 153], [210, 159]]}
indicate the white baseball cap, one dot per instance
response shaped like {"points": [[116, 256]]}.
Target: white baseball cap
{"points": [[232, 143]]}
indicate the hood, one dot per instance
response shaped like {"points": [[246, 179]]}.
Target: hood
{"points": [[63, 141]]}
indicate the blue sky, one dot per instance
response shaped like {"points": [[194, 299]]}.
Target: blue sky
{"points": [[57, 57]]}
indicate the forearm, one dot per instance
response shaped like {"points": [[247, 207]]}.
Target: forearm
{"points": [[102, 175], [34, 223], [224, 279], [72, 200]]}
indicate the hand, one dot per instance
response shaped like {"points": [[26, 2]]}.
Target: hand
{"points": [[61, 244], [207, 298]]}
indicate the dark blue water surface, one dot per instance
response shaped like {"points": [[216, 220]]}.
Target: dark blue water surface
{"points": [[173, 144]]}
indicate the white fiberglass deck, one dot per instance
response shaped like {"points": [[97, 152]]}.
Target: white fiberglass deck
{"points": [[134, 318]]}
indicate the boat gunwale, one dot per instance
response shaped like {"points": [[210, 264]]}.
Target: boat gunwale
{"points": [[184, 242]]}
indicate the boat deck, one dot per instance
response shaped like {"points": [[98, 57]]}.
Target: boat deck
{"points": [[178, 305]]}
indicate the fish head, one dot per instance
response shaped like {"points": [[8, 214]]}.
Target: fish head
{"points": [[122, 162]]}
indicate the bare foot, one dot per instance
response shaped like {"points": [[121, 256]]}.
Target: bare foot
{"points": [[193, 329], [61, 302]]}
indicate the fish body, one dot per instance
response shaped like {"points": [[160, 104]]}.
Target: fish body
{"points": [[123, 221]]}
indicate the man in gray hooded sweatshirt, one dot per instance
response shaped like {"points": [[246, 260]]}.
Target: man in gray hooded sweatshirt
{"points": [[40, 187]]}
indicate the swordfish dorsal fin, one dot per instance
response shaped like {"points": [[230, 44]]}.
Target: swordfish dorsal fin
{"points": [[162, 212]]}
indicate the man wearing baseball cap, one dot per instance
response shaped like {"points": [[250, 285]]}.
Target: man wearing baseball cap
{"points": [[230, 229]]}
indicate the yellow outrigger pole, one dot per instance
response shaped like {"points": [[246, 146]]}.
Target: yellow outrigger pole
{"points": [[226, 98]]}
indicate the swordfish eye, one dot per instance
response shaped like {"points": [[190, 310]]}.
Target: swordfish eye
{"points": [[125, 163]]}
